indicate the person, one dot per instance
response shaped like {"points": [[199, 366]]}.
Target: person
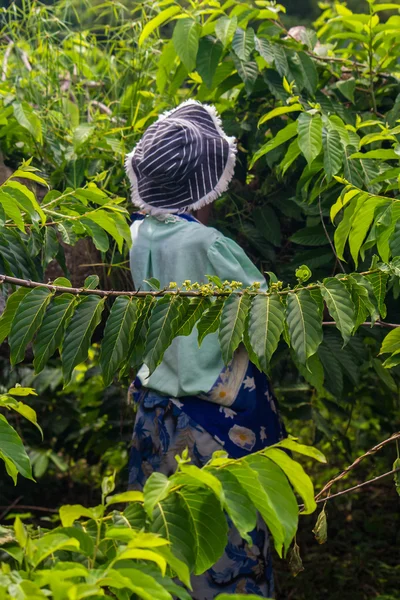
{"points": [[183, 162]]}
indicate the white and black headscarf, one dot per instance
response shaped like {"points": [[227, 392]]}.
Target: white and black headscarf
{"points": [[183, 161]]}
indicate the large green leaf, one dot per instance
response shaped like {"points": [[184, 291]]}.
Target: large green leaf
{"points": [[309, 72], [208, 56], [27, 320], [208, 524], [225, 29], [378, 281], [106, 221], [333, 152], [299, 479], [158, 20], [164, 322], [25, 198], [391, 343], [28, 119], [79, 333], [281, 137], [210, 320], [243, 43], [8, 315], [194, 311], [117, 336], [268, 224], [363, 299], [265, 325], [279, 492], [340, 305], [237, 503], [51, 332], [258, 494], [361, 222], [247, 71], [155, 490], [343, 230], [305, 324], [233, 319], [310, 135], [143, 585], [173, 522], [11, 209], [13, 449], [186, 41]]}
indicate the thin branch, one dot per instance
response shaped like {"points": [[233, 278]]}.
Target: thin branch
{"points": [[366, 324], [5, 60], [359, 486], [27, 507], [373, 450], [328, 236]]}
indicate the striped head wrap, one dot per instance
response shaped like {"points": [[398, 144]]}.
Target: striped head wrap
{"points": [[183, 161]]}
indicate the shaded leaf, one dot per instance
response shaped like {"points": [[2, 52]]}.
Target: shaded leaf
{"points": [[305, 324], [265, 325], [340, 305], [233, 319]]}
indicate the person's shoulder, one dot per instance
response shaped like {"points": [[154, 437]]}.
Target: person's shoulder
{"points": [[196, 231]]}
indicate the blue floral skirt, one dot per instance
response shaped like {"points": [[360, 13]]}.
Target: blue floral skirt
{"points": [[164, 427]]}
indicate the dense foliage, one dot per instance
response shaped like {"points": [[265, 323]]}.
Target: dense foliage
{"points": [[316, 113]]}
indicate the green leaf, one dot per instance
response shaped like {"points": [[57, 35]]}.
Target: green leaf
{"points": [[50, 334], [117, 336], [131, 496], [91, 282], [194, 311], [361, 293], [155, 490], [172, 521], [208, 524], [281, 110], [12, 449], [29, 120], [25, 198], [50, 543], [97, 233], [143, 585], [237, 503], [340, 305], [210, 320], [153, 283], [23, 409], [243, 43], [72, 512], [225, 28], [208, 56], [310, 236], [268, 224], [247, 71], [104, 220], [280, 495], [158, 20], [11, 209], [280, 60], [343, 230], [361, 222], [291, 444], [396, 476], [333, 152], [265, 326], [163, 324], [305, 324], [8, 315], [299, 479], [378, 281], [233, 318], [27, 320], [186, 41], [376, 154], [292, 153], [391, 343], [347, 88], [79, 333], [258, 494], [310, 135], [281, 137], [309, 72]]}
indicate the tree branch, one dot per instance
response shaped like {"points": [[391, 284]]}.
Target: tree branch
{"points": [[373, 450], [360, 485]]}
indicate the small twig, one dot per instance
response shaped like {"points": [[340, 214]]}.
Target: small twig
{"points": [[328, 236], [25, 60], [5, 60], [28, 507], [360, 485], [367, 324], [8, 508], [373, 450]]}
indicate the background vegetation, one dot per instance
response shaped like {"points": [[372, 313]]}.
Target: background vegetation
{"points": [[80, 82]]}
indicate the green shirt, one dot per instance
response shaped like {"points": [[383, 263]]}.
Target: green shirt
{"points": [[173, 249]]}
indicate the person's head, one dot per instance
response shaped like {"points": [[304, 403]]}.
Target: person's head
{"points": [[183, 162]]}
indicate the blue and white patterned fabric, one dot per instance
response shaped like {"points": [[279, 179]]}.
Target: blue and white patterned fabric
{"points": [[246, 421], [183, 160]]}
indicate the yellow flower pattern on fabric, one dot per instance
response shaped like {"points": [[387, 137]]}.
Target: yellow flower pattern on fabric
{"points": [[243, 437]]}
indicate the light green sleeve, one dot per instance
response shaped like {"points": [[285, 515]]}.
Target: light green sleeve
{"points": [[231, 263]]}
